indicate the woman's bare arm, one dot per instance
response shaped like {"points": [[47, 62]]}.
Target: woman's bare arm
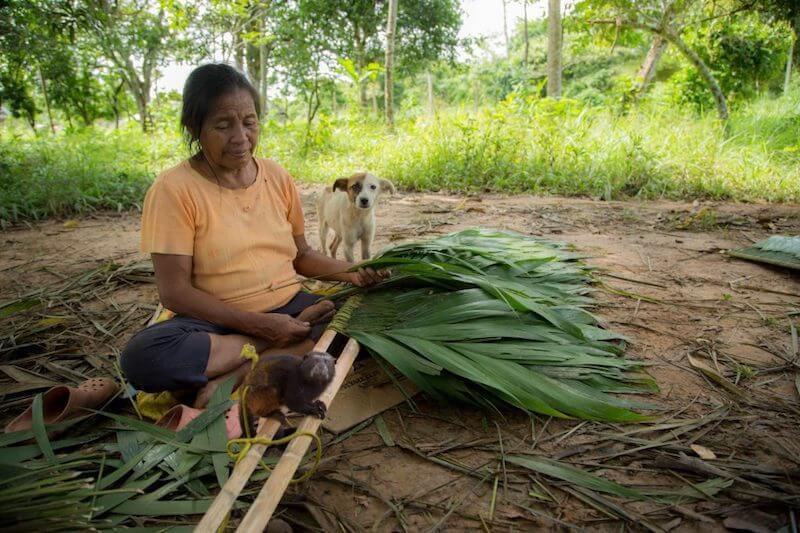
{"points": [[174, 281], [313, 264]]}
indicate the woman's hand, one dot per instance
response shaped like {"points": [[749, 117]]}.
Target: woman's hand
{"points": [[313, 264], [367, 277], [278, 329]]}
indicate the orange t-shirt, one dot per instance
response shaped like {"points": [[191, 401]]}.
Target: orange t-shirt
{"points": [[241, 240]]}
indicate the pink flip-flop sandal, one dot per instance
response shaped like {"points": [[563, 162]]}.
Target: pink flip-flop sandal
{"points": [[179, 416], [63, 402]]}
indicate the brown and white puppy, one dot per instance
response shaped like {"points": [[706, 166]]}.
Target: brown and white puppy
{"points": [[348, 208]]}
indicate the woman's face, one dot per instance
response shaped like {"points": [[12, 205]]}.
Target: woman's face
{"points": [[229, 134]]}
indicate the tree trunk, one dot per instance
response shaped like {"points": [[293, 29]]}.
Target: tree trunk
{"points": [[705, 72], [691, 55], [238, 51], [389, 90], [554, 48], [525, 19], [31, 116], [262, 68], [46, 101], [141, 93], [505, 31], [430, 91], [360, 66], [144, 113], [362, 95], [787, 79], [312, 106], [648, 69]]}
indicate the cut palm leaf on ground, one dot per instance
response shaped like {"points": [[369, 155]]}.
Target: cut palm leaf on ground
{"points": [[776, 250], [491, 317], [575, 476]]}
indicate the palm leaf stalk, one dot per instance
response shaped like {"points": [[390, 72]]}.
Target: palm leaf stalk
{"points": [[491, 317], [776, 250]]}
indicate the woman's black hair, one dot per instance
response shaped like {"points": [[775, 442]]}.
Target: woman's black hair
{"points": [[204, 85]]}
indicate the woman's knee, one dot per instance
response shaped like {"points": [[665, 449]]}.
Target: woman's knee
{"points": [[158, 359]]}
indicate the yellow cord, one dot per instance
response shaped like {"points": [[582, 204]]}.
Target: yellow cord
{"points": [[249, 352], [247, 443]]}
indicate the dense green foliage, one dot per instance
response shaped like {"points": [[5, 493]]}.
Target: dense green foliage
{"points": [[81, 171], [522, 145], [746, 54], [487, 127]]}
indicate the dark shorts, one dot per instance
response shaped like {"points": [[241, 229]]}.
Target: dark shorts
{"points": [[173, 355]]}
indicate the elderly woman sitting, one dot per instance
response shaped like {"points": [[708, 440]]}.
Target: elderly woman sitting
{"points": [[226, 235]]}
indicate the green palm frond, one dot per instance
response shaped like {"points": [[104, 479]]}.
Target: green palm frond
{"points": [[492, 317], [779, 243], [776, 250]]}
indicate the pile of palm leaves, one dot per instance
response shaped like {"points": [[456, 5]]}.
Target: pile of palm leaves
{"points": [[108, 477], [489, 317], [776, 250]]}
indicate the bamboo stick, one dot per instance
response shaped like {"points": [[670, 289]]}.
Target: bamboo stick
{"points": [[224, 501], [267, 428], [271, 493]]}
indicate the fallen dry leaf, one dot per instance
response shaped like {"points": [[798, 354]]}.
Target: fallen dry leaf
{"points": [[714, 376], [703, 452]]}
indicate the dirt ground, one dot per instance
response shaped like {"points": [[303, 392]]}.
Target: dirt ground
{"points": [[667, 285]]}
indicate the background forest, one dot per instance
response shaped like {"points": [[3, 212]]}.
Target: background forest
{"points": [[687, 99]]}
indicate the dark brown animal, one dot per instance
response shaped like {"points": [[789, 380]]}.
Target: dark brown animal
{"points": [[290, 381]]}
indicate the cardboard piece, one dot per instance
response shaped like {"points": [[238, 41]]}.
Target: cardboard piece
{"points": [[366, 392]]}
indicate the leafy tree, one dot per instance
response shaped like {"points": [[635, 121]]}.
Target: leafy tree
{"points": [[137, 37], [427, 30], [16, 92], [788, 11], [667, 18], [744, 52], [19, 51]]}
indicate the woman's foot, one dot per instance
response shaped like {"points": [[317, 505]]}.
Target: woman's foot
{"points": [[207, 391], [319, 312]]}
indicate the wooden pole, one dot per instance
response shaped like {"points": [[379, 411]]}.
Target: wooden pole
{"points": [[787, 78], [224, 501], [525, 18], [505, 32], [47, 98], [554, 48], [391, 23], [267, 428], [271, 493], [429, 78], [262, 66]]}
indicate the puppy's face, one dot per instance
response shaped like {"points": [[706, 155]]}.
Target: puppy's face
{"points": [[363, 188]]}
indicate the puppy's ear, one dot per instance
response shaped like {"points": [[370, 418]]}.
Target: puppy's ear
{"points": [[340, 185], [387, 186]]}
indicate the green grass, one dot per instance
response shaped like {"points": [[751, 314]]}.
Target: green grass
{"points": [[517, 146], [60, 175], [562, 148]]}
